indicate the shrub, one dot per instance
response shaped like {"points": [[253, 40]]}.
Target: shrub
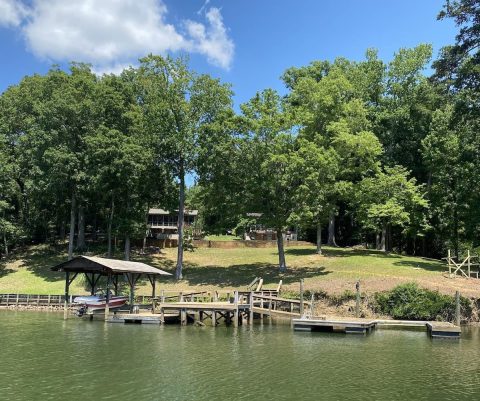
{"points": [[408, 301]]}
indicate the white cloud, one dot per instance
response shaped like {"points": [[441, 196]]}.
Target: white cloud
{"points": [[113, 33], [202, 8], [99, 31], [12, 12], [212, 39]]}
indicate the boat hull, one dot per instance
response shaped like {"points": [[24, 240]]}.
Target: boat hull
{"points": [[95, 304]]}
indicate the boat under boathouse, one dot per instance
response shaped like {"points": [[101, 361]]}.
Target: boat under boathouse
{"points": [[94, 267]]}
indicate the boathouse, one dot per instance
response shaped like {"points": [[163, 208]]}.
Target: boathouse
{"points": [[94, 268]]}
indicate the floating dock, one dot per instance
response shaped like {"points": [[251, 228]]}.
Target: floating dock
{"points": [[364, 326], [143, 318]]}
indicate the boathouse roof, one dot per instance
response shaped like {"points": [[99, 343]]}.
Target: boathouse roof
{"points": [[104, 266]]}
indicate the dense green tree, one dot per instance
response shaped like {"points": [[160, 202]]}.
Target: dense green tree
{"points": [[8, 192], [316, 168], [177, 103], [333, 112], [389, 199], [458, 64], [268, 152]]}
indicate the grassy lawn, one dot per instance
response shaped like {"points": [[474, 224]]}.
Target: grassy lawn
{"points": [[210, 268]]}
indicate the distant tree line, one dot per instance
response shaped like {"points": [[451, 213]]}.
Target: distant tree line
{"points": [[363, 152]]}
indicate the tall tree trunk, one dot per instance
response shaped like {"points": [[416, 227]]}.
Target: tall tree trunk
{"points": [[63, 230], [181, 210], [127, 247], [319, 238], [281, 252], [72, 226], [455, 220], [455, 232], [109, 229], [81, 228], [144, 244], [5, 243], [331, 230], [377, 240], [383, 242], [389, 244], [95, 227]]}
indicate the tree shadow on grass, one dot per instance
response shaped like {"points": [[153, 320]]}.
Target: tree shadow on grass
{"points": [[4, 271], [41, 262], [41, 265], [341, 252], [430, 266], [231, 276], [242, 275]]}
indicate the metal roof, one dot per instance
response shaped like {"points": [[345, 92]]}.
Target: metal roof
{"points": [[94, 264], [166, 212]]}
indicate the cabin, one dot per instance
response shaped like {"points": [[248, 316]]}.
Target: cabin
{"points": [[260, 232], [162, 226]]}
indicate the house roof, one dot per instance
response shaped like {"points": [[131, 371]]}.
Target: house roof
{"points": [[166, 212], [94, 264]]}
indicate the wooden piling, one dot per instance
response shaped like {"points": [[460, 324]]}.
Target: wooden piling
{"points": [[250, 318], [301, 297], [183, 317], [357, 301], [107, 297], [449, 259], [312, 298], [235, 311], [457, 308], [65, 305]]}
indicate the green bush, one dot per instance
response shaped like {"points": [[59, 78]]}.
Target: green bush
{"points": [[408, 301]]}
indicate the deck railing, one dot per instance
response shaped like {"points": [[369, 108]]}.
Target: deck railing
{"points": [[33, 299]]}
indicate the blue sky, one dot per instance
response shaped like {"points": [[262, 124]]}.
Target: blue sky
{"points": [[248, 43]]}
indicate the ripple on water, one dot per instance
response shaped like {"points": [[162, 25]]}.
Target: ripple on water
{"points": [[45, 358]]}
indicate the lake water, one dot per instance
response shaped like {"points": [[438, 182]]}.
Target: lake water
{"points": [[43, 357]]}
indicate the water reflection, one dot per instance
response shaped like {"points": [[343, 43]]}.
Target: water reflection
{"points": [[45, 358]]}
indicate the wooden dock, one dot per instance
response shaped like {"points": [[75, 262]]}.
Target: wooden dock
{"points": [[364, 326], [215, 311], [241, 307], [143, 318]]}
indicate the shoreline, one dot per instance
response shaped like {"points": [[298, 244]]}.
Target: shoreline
{"points": [[341, 312]]}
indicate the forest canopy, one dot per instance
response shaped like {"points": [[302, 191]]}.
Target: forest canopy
{"points": [[360, 152]]}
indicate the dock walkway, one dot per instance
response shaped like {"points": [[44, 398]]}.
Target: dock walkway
{"points": [[364, 326]]}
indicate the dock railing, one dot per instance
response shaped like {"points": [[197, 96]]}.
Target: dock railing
{"points": [[34, 300]]}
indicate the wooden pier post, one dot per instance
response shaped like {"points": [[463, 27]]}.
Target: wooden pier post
{"points": [[153, 283], [107, 297], [115, 284], [468, 263], [250, 319], [183, 317], [449, 263], [357, 301], [312, 298], [261, 306], [65, 305], [235, 311], [301, 297], [457, 308]]}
